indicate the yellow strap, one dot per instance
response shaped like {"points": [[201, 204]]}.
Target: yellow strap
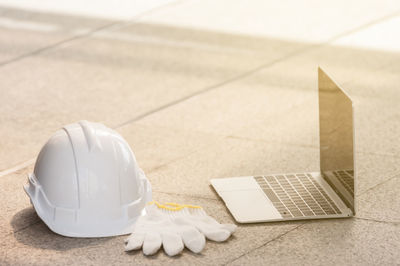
{"points": [[183, 205], [175, 206]]}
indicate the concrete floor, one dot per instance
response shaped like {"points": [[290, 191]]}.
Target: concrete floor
{"points": [[203, 90]]}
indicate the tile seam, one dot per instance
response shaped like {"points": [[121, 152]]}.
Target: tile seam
{"points": [[17, 167], [217, 85], [57, 44], [23, 228], [377, 221], [88, 34], [379, 154], [264, 244], [394, 176], [364, 26]]}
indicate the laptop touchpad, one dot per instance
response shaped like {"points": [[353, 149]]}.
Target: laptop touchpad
{"points": [[249, 205]]}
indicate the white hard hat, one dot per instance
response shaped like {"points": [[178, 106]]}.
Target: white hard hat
{"points": [[87, 183]]}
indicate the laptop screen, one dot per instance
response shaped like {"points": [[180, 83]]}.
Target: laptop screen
{"points": [[336, 136]]}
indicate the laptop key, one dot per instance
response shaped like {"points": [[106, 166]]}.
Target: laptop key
{"points": [[308, 213], [319, 213], [297, 213], [271, 195], [331, 212]]}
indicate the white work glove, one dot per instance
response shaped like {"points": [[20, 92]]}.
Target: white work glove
{"points": [[175, 226]]}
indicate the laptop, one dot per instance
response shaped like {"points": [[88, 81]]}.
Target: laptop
{"points": [[328, 193]]}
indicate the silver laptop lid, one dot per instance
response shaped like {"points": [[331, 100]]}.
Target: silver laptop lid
{"points": [[336, 133]]}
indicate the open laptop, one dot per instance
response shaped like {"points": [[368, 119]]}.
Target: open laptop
{"points": [[328, 193]]}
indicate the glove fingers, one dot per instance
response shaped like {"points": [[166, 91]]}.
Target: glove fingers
{"points": [[230, 227], [172, 244], [193, 239], [214, 233], [134, 242], [151, 243]]}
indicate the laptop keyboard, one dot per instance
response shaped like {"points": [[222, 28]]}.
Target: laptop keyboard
{"points": [[347, 180], [297, 195]]}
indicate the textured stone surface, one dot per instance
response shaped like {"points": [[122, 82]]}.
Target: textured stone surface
{"points": [[107, 79], [381, 202], [334, 242], [229, 158], [374, 169], [155, 147]]}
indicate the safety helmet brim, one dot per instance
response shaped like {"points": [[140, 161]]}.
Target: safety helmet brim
{"points": [[47, 213]]}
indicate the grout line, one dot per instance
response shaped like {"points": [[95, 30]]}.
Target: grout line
{"points": [[133, 20], [396, 175], [263, 245], [86, 35], [154, 169], [217, 85], [377, 221], [364, 26], [380, 154], [26, 227], [56, 44], [17, 167], [284, 143], [22, 228]]}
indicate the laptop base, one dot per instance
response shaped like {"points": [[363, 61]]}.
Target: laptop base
{"points": [[280, 197]]}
